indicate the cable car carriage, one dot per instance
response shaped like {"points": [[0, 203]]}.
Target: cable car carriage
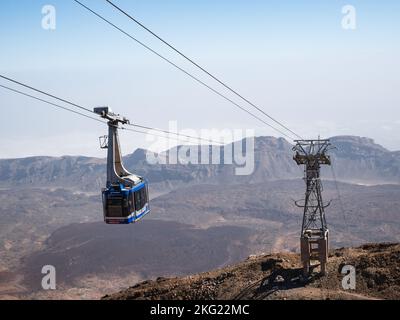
{"points": [[126, 196]]}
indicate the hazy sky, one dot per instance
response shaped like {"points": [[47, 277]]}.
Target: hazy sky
{"points": [[292, 58]]}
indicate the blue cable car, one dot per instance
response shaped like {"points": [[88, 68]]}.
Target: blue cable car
{"points": [[126, 196], [124, 205]]}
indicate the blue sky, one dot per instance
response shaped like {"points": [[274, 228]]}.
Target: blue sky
{"points": [[292, 58]]}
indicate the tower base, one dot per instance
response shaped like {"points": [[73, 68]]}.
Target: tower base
{"points": [[314, 246]]}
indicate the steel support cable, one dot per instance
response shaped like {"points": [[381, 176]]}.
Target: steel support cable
{"points": [[91, 111], [45, 93], [202, 68], [51, 103], [82, 114], [346, 255], [155, 135], [341, 202], [168, 132], [182, 70]]}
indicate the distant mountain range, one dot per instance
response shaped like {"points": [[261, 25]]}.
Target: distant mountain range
{"points": [[355, 159]]}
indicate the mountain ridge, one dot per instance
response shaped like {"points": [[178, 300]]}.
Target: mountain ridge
{"points": [[356, 160]]}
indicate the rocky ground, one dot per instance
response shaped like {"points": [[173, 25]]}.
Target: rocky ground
{"points": [[279, 276]]}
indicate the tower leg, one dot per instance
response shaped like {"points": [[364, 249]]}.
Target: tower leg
{"points": [[323, 253], [323, 268], [305, 255], [306, 269]]}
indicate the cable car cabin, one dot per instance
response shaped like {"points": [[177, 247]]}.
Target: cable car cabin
{"points": [[124, 205], [126, 196]]}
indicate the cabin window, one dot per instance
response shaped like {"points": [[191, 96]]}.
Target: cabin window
{"points": [[131, 202], [140, 198], [114, 208]]}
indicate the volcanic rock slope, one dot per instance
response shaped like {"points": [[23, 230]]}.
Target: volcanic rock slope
{"points": [[279, 276]]}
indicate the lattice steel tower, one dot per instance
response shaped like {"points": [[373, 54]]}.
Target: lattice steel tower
{"points": [[314, 231]]}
